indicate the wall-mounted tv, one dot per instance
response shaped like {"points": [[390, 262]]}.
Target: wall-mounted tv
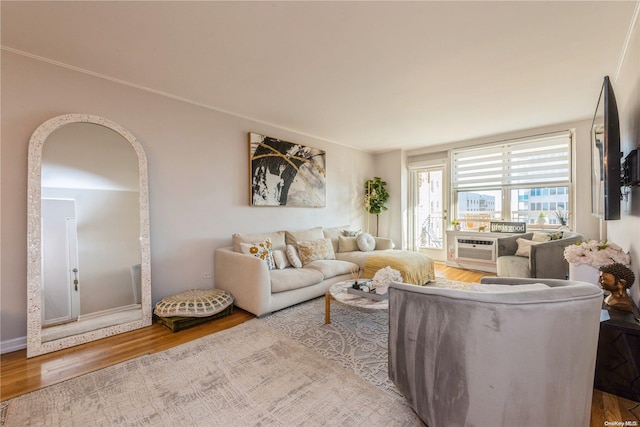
{"points": [[606, 156]]}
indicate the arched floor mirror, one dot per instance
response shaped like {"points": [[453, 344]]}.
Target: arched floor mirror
{"points": [[88, 255]]}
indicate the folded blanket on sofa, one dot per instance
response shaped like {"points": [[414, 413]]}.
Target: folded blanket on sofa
{"points": [[414, 267]]}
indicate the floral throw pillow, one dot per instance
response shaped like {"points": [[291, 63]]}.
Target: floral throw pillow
{"points": [[260, 250], [556, 235]]}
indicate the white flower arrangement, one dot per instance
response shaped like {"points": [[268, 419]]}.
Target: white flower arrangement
{"points": [[384, 276], [596, 254]]}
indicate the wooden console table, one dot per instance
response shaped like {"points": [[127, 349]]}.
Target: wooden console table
{"points": [[618, 360]]}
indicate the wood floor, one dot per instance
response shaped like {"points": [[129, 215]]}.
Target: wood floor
{"points": [[19, 375]]}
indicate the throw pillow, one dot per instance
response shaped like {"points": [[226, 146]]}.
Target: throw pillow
{"points": [[366, 242], [524, 247], [557, 235], [347, 244], [333, 233], [292, 256], [348, 233], [541, 237], [277, 239], [281, 260], [487, 287], [315, 250], [260, 250]]}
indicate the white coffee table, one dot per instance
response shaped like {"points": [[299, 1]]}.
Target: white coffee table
{"points": [[338, 292]]}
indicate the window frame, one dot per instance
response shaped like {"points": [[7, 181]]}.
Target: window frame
{"points": [[505, 189]]}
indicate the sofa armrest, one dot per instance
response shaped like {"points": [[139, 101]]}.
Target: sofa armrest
{"points": [[508, 245], [547, 259], [246, 277], [383, 243]]}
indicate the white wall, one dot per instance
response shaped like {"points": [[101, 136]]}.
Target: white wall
{"points": [[198, 176], [626, 231], [390, 167]]}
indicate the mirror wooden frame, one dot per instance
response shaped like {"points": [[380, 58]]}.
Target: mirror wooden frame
{"points": [[35, 346]]}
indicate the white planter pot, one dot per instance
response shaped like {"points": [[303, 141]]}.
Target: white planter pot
{"points": [[584, 273]]}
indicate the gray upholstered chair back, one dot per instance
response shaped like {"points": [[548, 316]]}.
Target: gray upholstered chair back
{"points": [[546, 259], [524, 358]]}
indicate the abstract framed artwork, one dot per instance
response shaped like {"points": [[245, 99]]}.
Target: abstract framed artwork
{"points": [[285, 174]]}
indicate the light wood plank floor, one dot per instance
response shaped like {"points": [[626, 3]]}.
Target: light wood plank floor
{"points": [[19, 375]]}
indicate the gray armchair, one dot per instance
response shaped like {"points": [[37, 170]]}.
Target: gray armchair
{"points": [[524, 358], [546, 259]]}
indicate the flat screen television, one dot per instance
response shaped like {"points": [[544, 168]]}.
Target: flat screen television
{"points": [[606, 156]]}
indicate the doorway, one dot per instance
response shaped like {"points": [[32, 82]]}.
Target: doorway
{"points": [[60, 278], [429, 211]]}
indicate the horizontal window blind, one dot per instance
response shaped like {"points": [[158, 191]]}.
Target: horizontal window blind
{"points": [[531, 161]]}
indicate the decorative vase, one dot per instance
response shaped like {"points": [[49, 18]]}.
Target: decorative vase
{"points": [[584, 273]]}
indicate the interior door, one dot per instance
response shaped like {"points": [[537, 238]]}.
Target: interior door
{"points": [[430, 211], [59, 242], [73, 267]]}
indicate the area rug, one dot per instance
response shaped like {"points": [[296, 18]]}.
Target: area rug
{"points": [[356, 338], [249, 375]]}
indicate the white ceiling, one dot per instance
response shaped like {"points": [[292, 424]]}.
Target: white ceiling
{"points": [[371, 75]]}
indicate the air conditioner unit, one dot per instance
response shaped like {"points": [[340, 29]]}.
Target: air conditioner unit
{"points": [[476, 249]]}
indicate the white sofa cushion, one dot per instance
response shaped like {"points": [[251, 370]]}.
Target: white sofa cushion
{"points": [[524, 247], [540, 237], [293, 237], [281, 259], [332, 268], [277, 239], [293, 278]]}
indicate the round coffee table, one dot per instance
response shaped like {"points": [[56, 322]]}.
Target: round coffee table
{"points": [[338, 292]]}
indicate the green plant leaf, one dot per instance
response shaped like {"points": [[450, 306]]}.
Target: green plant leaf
{"points": [[376, 195]]}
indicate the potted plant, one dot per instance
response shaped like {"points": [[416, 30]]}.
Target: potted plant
{"points": [[375, 199], [542, 219], [563, 219]]}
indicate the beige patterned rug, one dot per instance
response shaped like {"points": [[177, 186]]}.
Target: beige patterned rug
{"points": [[356, 339], [249, 375]]}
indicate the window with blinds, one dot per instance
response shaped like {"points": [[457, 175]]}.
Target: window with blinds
{"points": [[540, 160], [528, 180]]}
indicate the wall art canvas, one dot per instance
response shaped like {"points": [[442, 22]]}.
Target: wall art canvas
{"points": [[286, 174]]}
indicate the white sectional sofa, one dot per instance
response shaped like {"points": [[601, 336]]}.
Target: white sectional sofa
{"points": [[259, 289]]}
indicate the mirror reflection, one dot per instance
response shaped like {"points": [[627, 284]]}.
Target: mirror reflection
{"points": [[90, 231], [88, 255]]}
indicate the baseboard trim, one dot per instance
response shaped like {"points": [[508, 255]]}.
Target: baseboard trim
{"points": [[13, 344], [109, 311]]}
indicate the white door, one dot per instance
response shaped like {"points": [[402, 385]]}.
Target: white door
{"points": [[73, 267], [60, 299], [430, 211]]}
